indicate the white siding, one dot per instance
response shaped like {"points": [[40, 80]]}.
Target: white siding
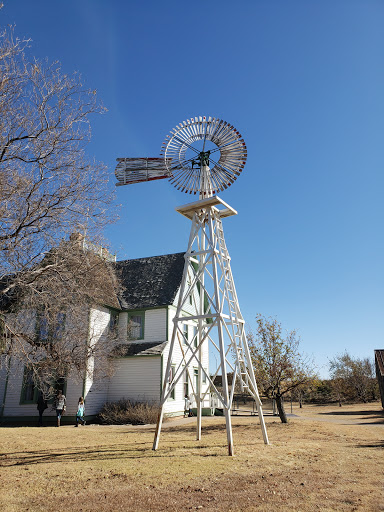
{"points": [[136, 378], [13, 407], [176, 405], [73, 392], [95, 397], [95, 393], [155, 325], [188, 307]]}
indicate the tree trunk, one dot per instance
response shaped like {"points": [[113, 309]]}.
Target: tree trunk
{"points": [[280, 408]]}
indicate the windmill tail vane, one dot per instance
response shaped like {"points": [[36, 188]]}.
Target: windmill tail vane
{"points": [[137, 170]]}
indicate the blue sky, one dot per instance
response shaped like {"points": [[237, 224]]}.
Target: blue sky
{"points": [[303, 82]]}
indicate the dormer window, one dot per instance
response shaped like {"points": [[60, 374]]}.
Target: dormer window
{"points": [[136, 325]]}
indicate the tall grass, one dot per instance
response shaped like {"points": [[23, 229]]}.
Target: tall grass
{"points": [[126, 411]]}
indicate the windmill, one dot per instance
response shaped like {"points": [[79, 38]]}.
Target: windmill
{"points": [[204, 155]]}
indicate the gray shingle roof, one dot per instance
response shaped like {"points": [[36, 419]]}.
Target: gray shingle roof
{"points": [[150, 282]]}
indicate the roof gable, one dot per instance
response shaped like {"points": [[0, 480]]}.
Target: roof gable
{"points": [[150, 282]]}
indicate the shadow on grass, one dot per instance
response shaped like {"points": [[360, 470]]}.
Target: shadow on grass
{"points": [[375, 414], [119, 452], [367, 423], [180, 429], [376, 444], [368, 415], [191, 428]]}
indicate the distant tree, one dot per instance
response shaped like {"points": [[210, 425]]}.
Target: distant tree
{"points": [[321, 392], [353, 378], [303, 391], [279, 365]]}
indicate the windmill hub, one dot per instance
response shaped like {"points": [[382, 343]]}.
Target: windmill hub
{"points": [[202, 159]]}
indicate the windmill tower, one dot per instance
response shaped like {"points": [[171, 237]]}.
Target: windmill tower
{"points": [[204, 155]]}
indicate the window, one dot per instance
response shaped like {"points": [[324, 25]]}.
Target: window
{"points": [[190, 295], [185, 333], [186, 383], [47, 329], [136, 326], [196, 377], [58, 326], [195, 336], [58, 384], [29, 390], [113, 322], [170, 379], [42, 328]]}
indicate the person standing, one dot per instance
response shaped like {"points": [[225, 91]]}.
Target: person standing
{"points": [[41, 406], [60, 405], [80, 412], [187, 406]]}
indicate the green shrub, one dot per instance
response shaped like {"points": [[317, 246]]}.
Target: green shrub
{"points": [[128, 411]]}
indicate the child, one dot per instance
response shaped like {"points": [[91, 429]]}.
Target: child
{"points": [[60, 405], [80, 412], [187, 406]]}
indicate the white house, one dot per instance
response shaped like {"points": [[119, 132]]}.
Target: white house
{"points": [[144, 320]]}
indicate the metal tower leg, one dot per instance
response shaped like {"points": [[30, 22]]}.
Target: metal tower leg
{"points": [[200, 337]]}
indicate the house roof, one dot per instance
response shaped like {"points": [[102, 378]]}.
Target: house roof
{"points": [[150, 282], [141, 348], [146, 282]]}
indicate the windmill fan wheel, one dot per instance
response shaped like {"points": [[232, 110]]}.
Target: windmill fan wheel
{"points": [[200, 143]]}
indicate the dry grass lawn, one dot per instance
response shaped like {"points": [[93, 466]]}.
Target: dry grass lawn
{"points": [[325, 458]]}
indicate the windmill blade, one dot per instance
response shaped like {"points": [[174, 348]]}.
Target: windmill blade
{"points": [[230, 153], [137, 170]]}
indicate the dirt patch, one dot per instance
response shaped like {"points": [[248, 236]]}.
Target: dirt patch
{"points": [[316, 464]]}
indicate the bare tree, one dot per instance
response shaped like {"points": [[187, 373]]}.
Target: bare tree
{"points": [[50, 188], [279, 365], [53, 326]]}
